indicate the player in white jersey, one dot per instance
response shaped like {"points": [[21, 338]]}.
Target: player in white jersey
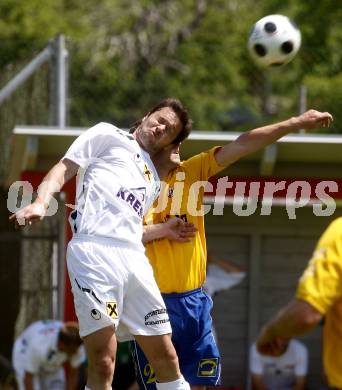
{"points": [[115, 293], [116, 183], [285, 371], [40, 352]]}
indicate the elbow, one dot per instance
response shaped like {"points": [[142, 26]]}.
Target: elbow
{"points": [[313, 320], [310, 316]]}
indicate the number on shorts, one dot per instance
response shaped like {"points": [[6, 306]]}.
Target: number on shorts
{"points": [[149, 372]]}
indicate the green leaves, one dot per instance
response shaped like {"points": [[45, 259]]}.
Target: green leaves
{"points": [[127, 54]]}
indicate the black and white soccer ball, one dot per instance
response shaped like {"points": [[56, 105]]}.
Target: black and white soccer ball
{"points": [[274, 40]]}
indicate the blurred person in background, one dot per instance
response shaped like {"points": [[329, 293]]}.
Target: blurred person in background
{"points": [[40, 352], [318, 296], [285, 371]]}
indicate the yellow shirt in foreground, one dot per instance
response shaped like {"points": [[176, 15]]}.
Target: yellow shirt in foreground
{"points": [[321, 286], [180, 267]]}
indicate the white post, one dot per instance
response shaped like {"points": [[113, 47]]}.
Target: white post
{"points": [[61, 57], [302, 102]]}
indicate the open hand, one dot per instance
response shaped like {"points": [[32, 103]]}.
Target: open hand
{"points": [[178, 230], [28, 214]]}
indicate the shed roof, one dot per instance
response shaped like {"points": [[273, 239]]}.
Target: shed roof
{"points": [[295, 155]]}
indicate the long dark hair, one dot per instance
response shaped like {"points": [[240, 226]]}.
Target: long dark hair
{"points": [[182, 113]]}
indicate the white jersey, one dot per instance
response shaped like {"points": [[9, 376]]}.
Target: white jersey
{"points": [[36, 349], [115, 187], [280, 372]]}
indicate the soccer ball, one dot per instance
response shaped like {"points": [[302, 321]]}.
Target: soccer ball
{"points": [[274, 40]]}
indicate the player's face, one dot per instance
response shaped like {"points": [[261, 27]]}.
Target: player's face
{"points": [[158, 130]]}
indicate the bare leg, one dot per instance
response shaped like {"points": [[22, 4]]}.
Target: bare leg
{"points": [[161, 353], [101, 350]]}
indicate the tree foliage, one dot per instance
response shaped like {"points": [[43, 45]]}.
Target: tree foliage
{"points": [[128, 54]]}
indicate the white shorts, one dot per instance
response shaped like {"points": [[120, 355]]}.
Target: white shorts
{"points": [[113, 284]]}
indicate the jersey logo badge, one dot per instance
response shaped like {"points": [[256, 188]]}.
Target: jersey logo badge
{"points": [[95, 314], [170, 192], [147, 173], [112, 309], [208, 367], [131, 198]]}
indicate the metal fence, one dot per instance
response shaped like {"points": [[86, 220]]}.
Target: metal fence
{"points": [[42, 271], [32, 261]]}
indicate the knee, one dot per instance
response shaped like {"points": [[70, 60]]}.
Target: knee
{"points": [[104, 366]]}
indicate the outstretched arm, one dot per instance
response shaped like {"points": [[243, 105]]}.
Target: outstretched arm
{"points": [[173, 229], [296, 319], [255, 139], [62, 172]]}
